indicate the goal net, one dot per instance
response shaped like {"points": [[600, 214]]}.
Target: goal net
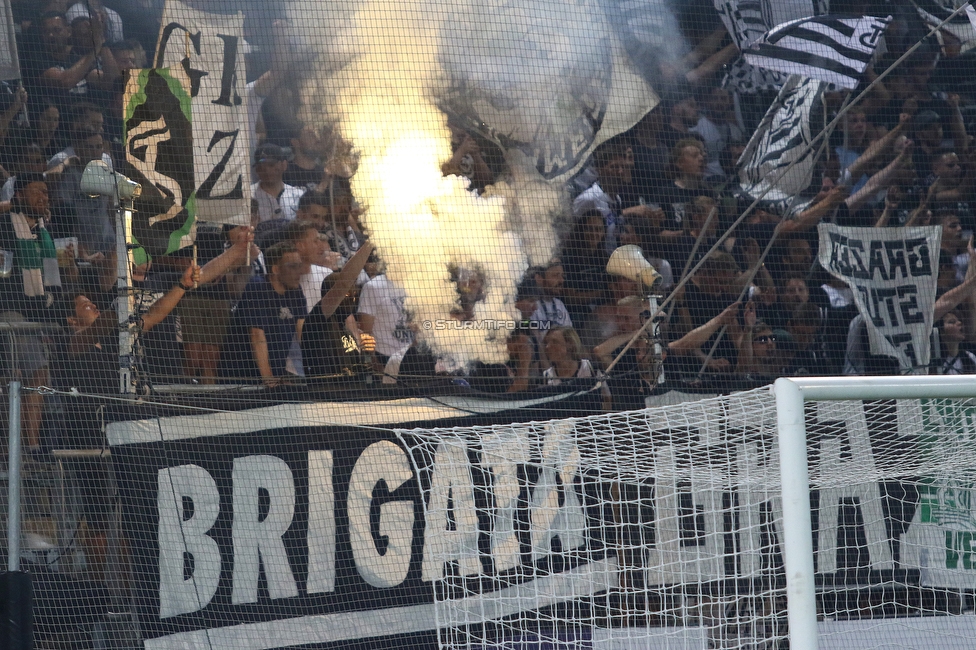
{"points": [[669, 522]]}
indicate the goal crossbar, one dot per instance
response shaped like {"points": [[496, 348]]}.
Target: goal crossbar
{"points": [[790, 394]]}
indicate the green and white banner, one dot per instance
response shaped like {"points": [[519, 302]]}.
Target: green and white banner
{"points": [[940, 540], [159, 155]]}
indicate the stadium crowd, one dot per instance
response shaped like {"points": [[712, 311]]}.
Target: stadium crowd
{"points": [[314, 305]]}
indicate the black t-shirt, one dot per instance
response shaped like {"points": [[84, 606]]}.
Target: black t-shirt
{"points": [[809, 363], [34, 64], [677, 251], [263, 308], [161, 347], [328, 349], [674, 200], [703, 307], [96, 371], [669, 137], [650, 172], [304, 178], [585, 271], [773, 315]]}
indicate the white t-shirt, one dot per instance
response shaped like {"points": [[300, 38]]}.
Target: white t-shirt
{"points": [[384, 301], [283, 206], [585, 371], [312, 284]]}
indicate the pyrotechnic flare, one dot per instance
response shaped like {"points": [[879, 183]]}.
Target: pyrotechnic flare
{"points": [[386, 73]]}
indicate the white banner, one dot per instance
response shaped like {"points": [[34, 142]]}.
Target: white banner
{"points": [[554, 113], [9, 67], [210, 47], [961, 26], [893, 273]]}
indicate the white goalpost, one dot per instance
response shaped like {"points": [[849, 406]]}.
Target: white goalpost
{"points": [[791, 395]]}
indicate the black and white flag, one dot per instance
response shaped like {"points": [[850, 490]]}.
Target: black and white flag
{"points": [[783, 137], [960, 26], [830, 48], [893, 274], [747, 21]]}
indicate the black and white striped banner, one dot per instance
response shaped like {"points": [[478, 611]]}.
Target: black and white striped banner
{"points": [[783, 136], [747, 21], [830, 48]]}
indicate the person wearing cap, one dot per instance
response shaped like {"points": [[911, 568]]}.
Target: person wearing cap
{"points": [[276, 200]]}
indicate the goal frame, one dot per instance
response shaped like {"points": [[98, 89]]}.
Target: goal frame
{"points": [[791, 394]]}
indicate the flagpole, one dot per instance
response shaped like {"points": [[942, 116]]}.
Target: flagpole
{"points": [[814, 141], [126, 303]]}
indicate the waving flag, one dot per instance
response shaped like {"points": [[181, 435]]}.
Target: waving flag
{"points": [[783, 139], [210, 49], [747, 21], [829, 48]]}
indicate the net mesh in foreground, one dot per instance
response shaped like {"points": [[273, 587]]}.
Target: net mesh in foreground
{"points": [[667, 523]]}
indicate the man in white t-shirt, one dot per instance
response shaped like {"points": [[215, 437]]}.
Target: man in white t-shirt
{"points": [[382, 313], [275, 199]]}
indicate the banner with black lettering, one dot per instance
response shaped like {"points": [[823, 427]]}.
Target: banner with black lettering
{"points": [[278, 527], [893, 273], [9, 66], [783, 139], [210, 49], [158, 156]]}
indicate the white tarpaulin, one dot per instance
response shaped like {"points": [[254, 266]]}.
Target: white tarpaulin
{"points": [[210, 47], [893, 273], [554, 106]]}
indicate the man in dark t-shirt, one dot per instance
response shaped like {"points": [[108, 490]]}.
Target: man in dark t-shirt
{"points": [[333, 348], [268, 317]]}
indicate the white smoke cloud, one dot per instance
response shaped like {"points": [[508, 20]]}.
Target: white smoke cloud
{"points": [[534, 76]]}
